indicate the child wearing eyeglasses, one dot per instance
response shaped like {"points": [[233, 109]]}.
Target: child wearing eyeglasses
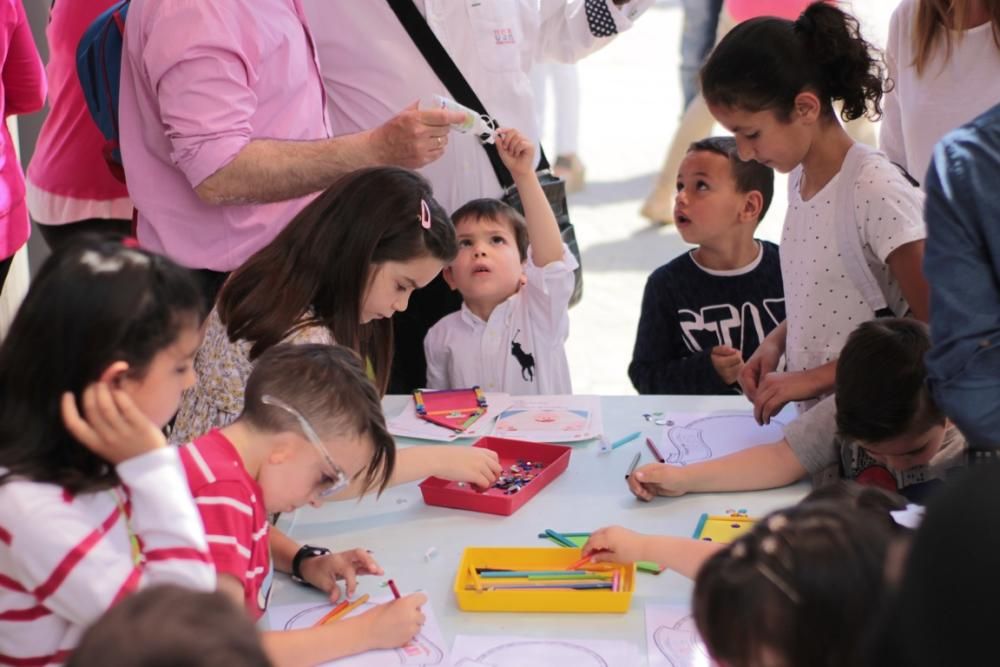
{"points": [[312, 427]]}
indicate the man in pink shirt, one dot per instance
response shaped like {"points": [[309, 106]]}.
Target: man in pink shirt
{"points": [[223, 126]]}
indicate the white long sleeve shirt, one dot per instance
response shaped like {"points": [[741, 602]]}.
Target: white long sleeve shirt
{"points": [[955, 87], [372, 70], [65, 560]]}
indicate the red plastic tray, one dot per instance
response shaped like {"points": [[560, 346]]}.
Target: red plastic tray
{"points": [[441, 492]]}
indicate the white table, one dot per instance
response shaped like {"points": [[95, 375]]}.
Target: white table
{"points": [[399, 528]]}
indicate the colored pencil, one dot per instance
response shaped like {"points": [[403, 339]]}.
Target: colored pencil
{"points": [[635, 463], [656, 452], [343, 609], [525, 573], [624, 441], [330, 615], [561, 539], [581, 562], [395, 591], [614, 581], [581, 586]]}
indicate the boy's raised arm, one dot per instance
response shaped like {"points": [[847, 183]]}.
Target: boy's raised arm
{"points": [[518, 154]]}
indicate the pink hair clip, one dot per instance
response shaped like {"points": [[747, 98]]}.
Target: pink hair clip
{"points": [[425, 215]]}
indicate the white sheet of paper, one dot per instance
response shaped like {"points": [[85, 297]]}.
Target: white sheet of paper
{"points": [[551, 419], [671, 638], [693, 437], [407, 424], [480, 651], [427, 649]]}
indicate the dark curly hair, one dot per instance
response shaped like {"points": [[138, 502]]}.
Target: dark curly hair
{"points": [[764, 63]]}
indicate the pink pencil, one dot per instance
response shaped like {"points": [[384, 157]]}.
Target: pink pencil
{"points": [[614, 581], [656, 452]]}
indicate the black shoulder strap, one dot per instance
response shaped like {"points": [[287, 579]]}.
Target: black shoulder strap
{"points": [[442, 64]]}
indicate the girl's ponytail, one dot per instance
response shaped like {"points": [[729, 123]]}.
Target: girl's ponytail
{"points": [[764, 63], [849, 68]]}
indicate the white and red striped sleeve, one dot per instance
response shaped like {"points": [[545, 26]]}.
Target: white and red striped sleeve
{"points": [[74, 554]]}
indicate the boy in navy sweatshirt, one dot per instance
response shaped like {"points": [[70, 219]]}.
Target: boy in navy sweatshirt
{"points": [[706, 311]]}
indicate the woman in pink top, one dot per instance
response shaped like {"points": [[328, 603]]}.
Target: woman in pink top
{"points": [[741, 10], [22, 90], [70, 188]]}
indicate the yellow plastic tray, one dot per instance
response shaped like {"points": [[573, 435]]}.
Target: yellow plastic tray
{"points": [[598, 601]]}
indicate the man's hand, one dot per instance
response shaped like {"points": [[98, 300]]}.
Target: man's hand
{"points": [[413, 138]]}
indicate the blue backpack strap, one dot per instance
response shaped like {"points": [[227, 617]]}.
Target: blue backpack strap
{"points": [[98, 65]]}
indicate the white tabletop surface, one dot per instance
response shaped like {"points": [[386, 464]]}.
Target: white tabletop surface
{"points": [[400, 529]]}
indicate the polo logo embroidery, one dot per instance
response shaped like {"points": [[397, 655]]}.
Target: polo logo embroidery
{"points": [[503, 36], [526, 359]]}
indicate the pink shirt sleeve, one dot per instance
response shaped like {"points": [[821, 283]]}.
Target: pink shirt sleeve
{"points": [[23, 73], [204, 82]]}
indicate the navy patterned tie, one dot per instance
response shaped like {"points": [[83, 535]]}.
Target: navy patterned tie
{"points": [[599, 19]]}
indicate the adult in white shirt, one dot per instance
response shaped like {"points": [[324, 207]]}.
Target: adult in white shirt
{"points": [[371, 69], [944, 58]]}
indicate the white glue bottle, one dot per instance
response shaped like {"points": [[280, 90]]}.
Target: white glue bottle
{"points": [[473, 123]]}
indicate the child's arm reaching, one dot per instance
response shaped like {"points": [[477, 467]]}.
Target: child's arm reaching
{"points": [[777, 389], [762, 467], [387, 626], [518, 155], [906, 264], [621, 545], [764, 360], [475, 465]]}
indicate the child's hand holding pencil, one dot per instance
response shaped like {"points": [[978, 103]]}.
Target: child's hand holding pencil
{"points": [[617, 545], [658, 479], [393, 624]]}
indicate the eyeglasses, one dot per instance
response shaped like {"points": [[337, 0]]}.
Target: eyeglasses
{"points": [[338, 478]]}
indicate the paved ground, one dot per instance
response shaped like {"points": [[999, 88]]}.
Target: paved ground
{"points": [[630, 101]]}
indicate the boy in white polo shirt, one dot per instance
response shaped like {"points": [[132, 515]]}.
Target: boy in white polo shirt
{"points": [[516, 278]]}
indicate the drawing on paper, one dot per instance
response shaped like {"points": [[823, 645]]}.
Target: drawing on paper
{"points": [[544, 425], [692, 438], [419, 652], [680, 644], [541, 652]]}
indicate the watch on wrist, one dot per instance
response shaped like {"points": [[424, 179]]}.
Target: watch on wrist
{"points": [[305, 552]]}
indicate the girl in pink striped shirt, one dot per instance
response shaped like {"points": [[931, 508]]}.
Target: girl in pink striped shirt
{"points": [[93, 505]]}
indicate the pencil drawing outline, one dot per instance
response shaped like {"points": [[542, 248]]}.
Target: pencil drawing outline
{"points": [[687, 441]]}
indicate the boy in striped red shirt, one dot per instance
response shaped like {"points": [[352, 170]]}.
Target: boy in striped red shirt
{"points": [[312, 426]]}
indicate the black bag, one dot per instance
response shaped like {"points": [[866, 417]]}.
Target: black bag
{"points": [[449, 74], [555, 191]]}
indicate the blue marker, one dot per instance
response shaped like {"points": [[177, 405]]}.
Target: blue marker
{"points": [[624, 441]]}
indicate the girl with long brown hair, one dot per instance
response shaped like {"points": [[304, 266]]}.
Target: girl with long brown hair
{"points": [[334, 275]]}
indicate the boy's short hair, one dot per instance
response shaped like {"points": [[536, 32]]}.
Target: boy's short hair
{"points": [[171, 626], [328, 385], [749, 175], [881, 382], [494, 209]]}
